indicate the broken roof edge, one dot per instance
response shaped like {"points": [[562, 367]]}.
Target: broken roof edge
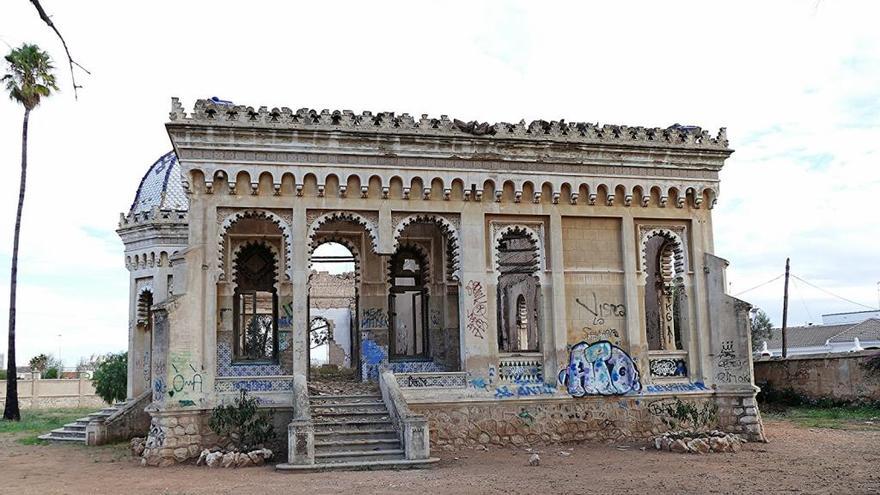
{"points": [[225, 114]]}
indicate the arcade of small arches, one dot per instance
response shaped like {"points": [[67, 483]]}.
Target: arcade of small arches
{"points": [[574, 191]]}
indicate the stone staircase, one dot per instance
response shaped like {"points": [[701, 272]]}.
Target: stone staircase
{"points": [[76, 431], [353, 431]]}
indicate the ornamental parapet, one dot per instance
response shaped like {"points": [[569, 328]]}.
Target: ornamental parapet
{"points": [[153, 216], [228, 114]]}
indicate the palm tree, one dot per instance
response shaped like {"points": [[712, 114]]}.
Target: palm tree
{"points": [[28, 79]]}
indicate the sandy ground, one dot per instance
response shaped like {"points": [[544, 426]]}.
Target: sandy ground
{"points": [[797, 460]]}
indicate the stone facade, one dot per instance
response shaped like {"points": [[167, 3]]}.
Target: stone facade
{"points": [[568, 264]]}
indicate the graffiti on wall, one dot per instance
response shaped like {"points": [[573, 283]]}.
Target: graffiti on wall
{"points": [[600, 368], [668, 367], [186, 380], [676, 387], [435, 319], [524, 389], [286, 321], [731, 368], [599, 311], [374, 318], [476, 321], [146, 368], [371, 352], [156, 436]]}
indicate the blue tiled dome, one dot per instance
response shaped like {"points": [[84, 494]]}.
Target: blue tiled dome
{"points": [[161, 186]]}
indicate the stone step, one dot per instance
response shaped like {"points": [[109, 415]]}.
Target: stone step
{"points": [[75, 427], [344, 398], [358, 465], [349, 403], [351, 415], [63, 432], [355, 456], [348, 409], [348, 426], [366, 434], [51, 437], [365, 445]]}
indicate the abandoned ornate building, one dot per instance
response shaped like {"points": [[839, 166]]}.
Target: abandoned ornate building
{"points": [[504, 284]]}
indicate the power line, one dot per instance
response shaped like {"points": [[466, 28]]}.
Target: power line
{"points": [[797, 289], [833, 294], [760, 285]]}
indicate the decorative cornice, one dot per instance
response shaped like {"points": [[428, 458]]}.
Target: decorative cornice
{"points": [[153, 216], [675, 136]]}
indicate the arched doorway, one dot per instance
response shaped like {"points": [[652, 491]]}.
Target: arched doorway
{"points": [[333, 297], [408, 305]]}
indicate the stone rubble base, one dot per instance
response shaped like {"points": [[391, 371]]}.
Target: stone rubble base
{"points": [[690, 442]]}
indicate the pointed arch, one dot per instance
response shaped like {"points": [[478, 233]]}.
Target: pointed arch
{"points": [[371, 229], [453, 241], [282, 225]]}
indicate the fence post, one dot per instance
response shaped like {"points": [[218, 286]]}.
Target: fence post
{"points": [[35, 389]]}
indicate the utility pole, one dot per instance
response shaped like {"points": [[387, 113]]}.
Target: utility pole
{"points": [[785, 313]]}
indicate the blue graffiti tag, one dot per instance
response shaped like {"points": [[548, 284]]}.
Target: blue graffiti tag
{"points": [[479, 383], [676, 387], [371, 352], [600, 368]]}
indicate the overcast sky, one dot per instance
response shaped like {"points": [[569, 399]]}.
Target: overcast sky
{"points": [[797, 84]]}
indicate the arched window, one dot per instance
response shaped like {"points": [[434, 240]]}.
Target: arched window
{"points": [[664, 293], [519, 292], [145, 310], [255, 305], [408, 303]]}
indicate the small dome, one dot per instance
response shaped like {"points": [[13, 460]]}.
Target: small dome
{"points": [[161, 186]]}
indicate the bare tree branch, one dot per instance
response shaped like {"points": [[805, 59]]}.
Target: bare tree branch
{"points": [[70, 60]]}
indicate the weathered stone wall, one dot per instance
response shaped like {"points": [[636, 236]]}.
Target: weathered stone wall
{"points": [[180, 436], [52, 394], [530, 422], [841, 376]]}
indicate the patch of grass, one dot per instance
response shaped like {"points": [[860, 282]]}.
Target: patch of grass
{"points": [[841, 417], [35, 422]]}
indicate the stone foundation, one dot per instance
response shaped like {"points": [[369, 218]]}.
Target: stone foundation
{"points": [[739, 414], [612, 419], [180, 436], [176, 436]]}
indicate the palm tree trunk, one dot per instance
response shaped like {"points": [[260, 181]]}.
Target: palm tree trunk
{"points": [[11, 410]]}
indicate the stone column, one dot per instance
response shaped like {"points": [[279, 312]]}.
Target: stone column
{"points": [[700, 339], [300, 281], [635, 337], [477, 301], [555, 350], [134, 348]]}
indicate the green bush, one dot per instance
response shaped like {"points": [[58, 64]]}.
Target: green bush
{"points": [[2, 374], [51, 374], [111, 377], [243, 424]]}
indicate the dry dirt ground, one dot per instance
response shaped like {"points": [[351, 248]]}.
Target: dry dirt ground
{"points": [[796, 460]]}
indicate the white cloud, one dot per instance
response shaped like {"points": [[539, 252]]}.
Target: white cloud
{"points": [[795, 82]]}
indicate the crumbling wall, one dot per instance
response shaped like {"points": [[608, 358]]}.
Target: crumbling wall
{"points": [[840, 377]]}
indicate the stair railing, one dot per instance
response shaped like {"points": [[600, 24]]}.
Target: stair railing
{"points": [[126, 422], [412, 428]]}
